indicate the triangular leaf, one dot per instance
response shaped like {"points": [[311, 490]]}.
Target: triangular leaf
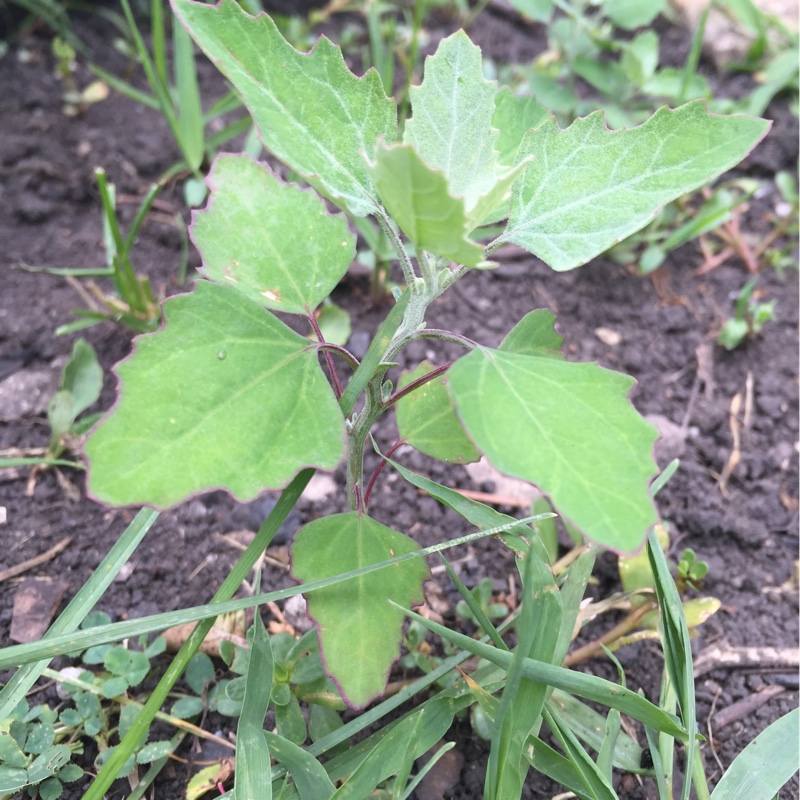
{"points": [[310, 110], [451, 127], [420, 202], [588, 187], [535, 335], [223, 396], [359, 630], [568, 428], [427, 420], [270, 240]]}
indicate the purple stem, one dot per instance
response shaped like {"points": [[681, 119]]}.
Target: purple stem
{"points": [[337, 385], [434, 373], [379, 469]]}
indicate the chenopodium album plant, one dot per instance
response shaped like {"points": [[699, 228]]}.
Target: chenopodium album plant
{"points": [[227, 396]]}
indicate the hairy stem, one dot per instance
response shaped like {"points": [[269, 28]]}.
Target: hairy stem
{"points": [[405, 261]]}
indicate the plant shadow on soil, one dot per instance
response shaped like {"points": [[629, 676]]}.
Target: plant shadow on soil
{"points": [[747, 534]]}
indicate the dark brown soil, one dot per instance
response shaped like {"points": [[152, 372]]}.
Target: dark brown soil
{"points": [[747, 533]]}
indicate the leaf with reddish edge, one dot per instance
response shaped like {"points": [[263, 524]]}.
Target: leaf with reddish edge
{"points": [[273, 241], [359, 630], [568, 428], [588, 187], [310, 110], [224, 396]]}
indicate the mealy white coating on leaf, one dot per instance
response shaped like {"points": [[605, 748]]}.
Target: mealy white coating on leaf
{"points": [[588, 188], [311, 111]]}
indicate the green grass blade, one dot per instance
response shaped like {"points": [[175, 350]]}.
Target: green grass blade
{"points": [[310, 779], [29, 462], [141, 214], [426, 769], [523, 698], [588, 725], [253, 777], [80, 605], [588, 686], [157, 86], [572, 589], [190, 110], [664, 793], [765, 764], [415, 735], [661, 481], [677, 648], [597, 782], [158, 39], [474, 606], [124, 88]]}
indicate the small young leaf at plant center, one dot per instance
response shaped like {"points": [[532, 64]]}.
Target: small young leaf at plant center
{"points": [[242, 404], [421, 203], [588, 188], [568, 428], [273, 241], [451, 127], [310, 110], [427, 420], [359, 630], [83, 377], [535, 335]]}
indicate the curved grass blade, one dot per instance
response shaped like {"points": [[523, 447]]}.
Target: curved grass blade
{"points": [[310, 779], [80, 605], [765, 764], [677, 647], [253, 778], [600, 788], [588, 686]]}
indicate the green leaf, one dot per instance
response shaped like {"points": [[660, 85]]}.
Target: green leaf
{"points": [[568, 428], [427, 421], [451, 127], [60, 412], [359, 630], [514, 115], [535, 335], [407, 740], [290, 722], [82, 377], [310, 778], [762, 768], [588, 188], [630, 14], [273, 241], [153, 751], [253, 772], [310, 110], [187, 707], [334, 324], [420, 201], [520, 709], [242, 404]]}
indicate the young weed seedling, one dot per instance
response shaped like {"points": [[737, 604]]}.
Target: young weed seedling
{"points": [[225, 395]]}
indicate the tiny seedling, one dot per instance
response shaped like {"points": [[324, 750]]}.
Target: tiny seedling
{"points": [[750, 316], [81, 383], [133, 303]]}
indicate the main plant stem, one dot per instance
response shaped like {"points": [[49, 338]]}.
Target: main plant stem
{"points": [[423, 291]]}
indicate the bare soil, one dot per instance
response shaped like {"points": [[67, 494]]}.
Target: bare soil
{"points": [[746, 530]]}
